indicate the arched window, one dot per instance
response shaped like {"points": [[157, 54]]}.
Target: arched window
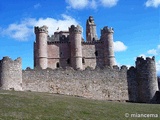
{"points": [[83, 61], [57, 65], [96, 53], [68, 61], [61, 54]]}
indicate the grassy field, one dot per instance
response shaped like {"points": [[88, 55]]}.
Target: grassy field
{"points": [[45, 106]]}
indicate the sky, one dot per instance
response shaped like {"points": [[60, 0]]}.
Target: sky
{"points": [[136, 25]]}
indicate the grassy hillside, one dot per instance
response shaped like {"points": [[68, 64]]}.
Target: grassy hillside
{"points": [[45, 106]]}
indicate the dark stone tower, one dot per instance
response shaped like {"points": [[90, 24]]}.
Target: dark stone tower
{"points": [[146, 79], [142, 81]]}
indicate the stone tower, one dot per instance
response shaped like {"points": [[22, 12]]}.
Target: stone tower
{"points": [[107, 38], [11, 74], [91, 34], [75, 38], [41, 47], [146, 79]]}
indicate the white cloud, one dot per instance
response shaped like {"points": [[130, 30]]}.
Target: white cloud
{"points": [[158, 67], [20, 31], [81, 4], [37, 5], [158, 49], [93, 4], [119, 46], [152, 52], [53, 24], [152, 3], [23, 30], [77, 4], [109, 3]]}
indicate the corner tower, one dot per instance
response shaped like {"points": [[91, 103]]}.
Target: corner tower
{"points": [[91, 34], [11, 74], [107, 38], [146, 79], [75, 38], [40, 49]]}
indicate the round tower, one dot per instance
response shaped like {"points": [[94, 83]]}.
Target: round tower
{"points": [[147, 79], [75, 38], [41, 47], [107, 38], [11, 74]]}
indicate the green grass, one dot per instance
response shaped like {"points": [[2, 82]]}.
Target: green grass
{"points": [[45, 106]]}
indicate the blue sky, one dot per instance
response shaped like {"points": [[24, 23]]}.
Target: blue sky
{"points": [[136, 24]]}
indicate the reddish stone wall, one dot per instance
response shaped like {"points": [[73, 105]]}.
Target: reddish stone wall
{"points": [[58, 53], [93, 55]]}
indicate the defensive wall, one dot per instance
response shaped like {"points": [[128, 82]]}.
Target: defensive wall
{"points": [[106, 84], [136, 84]]}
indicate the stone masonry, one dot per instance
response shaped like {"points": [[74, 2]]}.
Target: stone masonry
{"points": [[136, 84], [68, 48], [106, 84], [65, 64], [11, 74]]}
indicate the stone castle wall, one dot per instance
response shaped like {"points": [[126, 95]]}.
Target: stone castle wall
{"points": [[10, 74], [59, 52], [106, 84], [93, 54], [138, 84]]}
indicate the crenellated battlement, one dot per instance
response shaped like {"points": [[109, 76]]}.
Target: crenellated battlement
{"points": [[142, 61], [43, 29], [106, 29], [8, 59], [75, 29], [57, 42], [92, 42], [104, 69]]}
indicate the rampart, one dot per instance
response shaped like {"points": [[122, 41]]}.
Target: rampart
{"points": [[106, 84], [136, 84]]}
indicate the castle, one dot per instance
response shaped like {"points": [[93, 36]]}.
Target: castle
{"points": [[68, 49], [66, 64]]}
